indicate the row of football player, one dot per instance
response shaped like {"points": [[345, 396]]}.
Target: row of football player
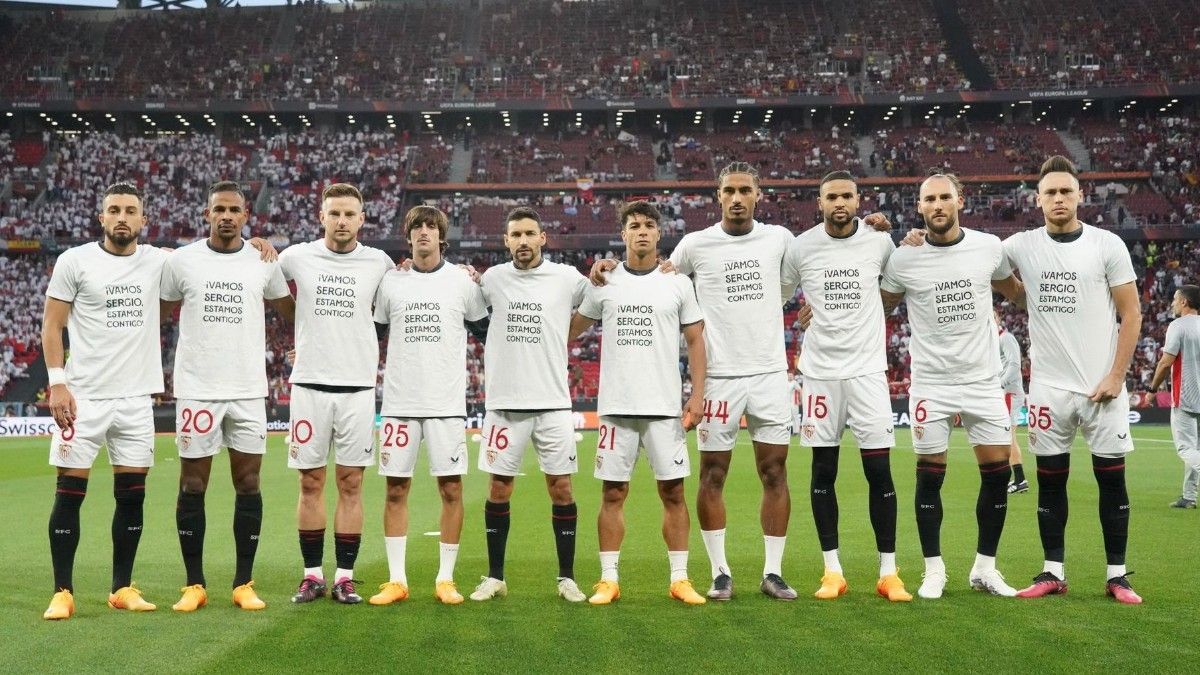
{"points": [[737, 265]]}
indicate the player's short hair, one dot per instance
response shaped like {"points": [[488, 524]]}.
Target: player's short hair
{"points": [[1191, 295], [522, 212], [427, 215], [123, 188], [225, 186], [341, 190], [638, 208], [738, 167], [840, 174], [1056, 164], [938, 173]]}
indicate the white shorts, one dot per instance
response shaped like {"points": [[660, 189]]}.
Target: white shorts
{"points": [[1014, 401], [1055, 414], [445, 442], [124, 425], [506, 433], [343, 421], [764, 399], [202, 428], [1185, 430], [863, 402], [932, 408], [620, 438]]}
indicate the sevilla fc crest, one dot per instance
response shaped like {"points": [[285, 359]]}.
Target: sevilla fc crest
{"points": [[809, 430], [599, 461], [384, 457], [491, 456], [184, 442], [1032, 438], [64, 450], [703, 433], [294, 450], [919, 432]]}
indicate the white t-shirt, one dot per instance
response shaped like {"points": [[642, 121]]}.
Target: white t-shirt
{"points": [[840, 280], [221, 354], [642, 314], [1010, 364], [1183, 342], [1072, 318], [948, 289], [114, 348], [525, 357], [426, 374], [737, 285], [336, 343]]}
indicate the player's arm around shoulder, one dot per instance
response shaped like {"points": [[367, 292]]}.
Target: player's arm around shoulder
{"points": [[588, 312], [891, 285], [790, 269], [1003, 279]]}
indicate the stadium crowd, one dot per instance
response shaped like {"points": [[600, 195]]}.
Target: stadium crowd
{"points": [[613, 49]]}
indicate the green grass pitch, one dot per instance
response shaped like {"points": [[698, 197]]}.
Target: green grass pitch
{"points": [[533, 630]]}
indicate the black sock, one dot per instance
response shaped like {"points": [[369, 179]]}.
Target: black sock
{"points": [[129, 489], [345, 549], [64, 529], [929, 506], [190, 522], [992, 505], [1114, 506], [882, 503], [823, 495], [1052, 474], [247, 523], [312, 547], [1018, 473], [563, 519], [496, 517]]}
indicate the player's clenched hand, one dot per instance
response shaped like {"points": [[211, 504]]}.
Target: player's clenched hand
{"points": [[62, 406], [600, 270], [1108, 389], [666, 266], [404, 265], [805, 315], [878, 222], [692, 411], [266, 252], [471, 272], [913, 238]]}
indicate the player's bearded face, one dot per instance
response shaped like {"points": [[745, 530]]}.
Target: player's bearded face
{"points": [[1059, 196], [738, 194], [342, 217], [226, 214], [122, 219], [524, 239], [839, 202], [938, 204]]}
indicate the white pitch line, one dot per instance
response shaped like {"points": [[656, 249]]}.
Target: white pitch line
{"points": [[432, 534]]}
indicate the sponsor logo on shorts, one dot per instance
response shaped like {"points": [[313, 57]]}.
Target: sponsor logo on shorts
{"points": [[679, 462], [890, 430], [454, 459], [919, 432], [571, 458], [384, 457], [1122, 436], [1008, 428]]}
